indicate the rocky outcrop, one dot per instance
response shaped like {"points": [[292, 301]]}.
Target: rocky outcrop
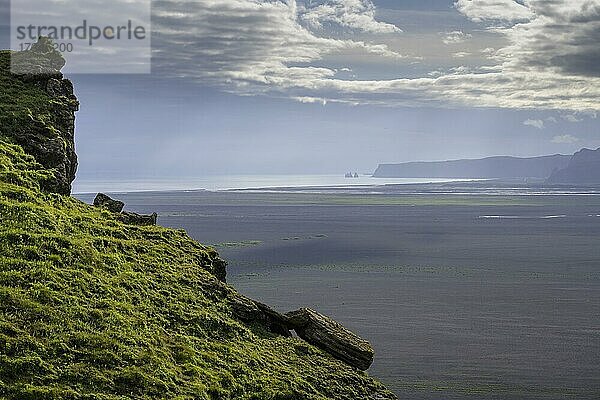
{"points": [[218, 267], [315, 328], [583, 169], [41, 61], [251, 311], [111, 205], [48, 132], [131, 218], [325, 333]]}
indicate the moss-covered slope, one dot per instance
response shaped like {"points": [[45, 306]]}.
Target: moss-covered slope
{"points": [[91, 308]]}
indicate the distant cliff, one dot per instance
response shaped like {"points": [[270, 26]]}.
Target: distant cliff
{"points": [[485, 168], [583, 169]]}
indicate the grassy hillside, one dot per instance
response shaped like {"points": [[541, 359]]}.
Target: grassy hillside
{"points": [[91, 308]]}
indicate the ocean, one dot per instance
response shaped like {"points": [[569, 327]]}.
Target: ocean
{"points": [[467, 290]]}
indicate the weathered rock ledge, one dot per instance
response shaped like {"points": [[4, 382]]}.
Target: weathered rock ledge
{"points": [[315, 328], [127, 217], [327, 334], [50, 138]]}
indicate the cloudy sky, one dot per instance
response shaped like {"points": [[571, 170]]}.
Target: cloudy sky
{"points": [[326, 86]]}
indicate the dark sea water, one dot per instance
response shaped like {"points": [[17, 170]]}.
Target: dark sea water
{"points": [[486, 294]]}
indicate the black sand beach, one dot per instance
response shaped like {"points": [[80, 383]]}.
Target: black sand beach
{"points": [[463, 296]]}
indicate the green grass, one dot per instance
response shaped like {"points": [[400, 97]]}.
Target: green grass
{"points": [[23, 106], [91, 308]]}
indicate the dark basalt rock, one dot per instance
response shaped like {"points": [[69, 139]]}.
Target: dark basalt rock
{"points": [[126, 217], [50, 139], [315, 328], [111, 205], [219, 268], [40, 62], [325, 333], [131, 218], [251, 311]]}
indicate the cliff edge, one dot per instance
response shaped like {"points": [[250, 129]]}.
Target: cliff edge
{"points": [[502, 167], [92, 307], [583, 169], [37, 111]]}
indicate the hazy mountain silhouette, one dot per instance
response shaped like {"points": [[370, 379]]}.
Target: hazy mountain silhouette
{"points": [[583, 169], [485, 168]]}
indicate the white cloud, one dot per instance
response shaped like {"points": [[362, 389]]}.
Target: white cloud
{"points": [[353, 14], [489, 52], [455, 37], [565, 139], [270, 46], [495, 10], [245, 46], [563, 38], [536, 123], [311, 100], [571, 118], [461, 54]]}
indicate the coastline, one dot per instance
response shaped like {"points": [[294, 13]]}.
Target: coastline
{"points": [[244, 182]]}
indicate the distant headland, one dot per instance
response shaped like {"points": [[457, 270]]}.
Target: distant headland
{"points": [[580, 168]]}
